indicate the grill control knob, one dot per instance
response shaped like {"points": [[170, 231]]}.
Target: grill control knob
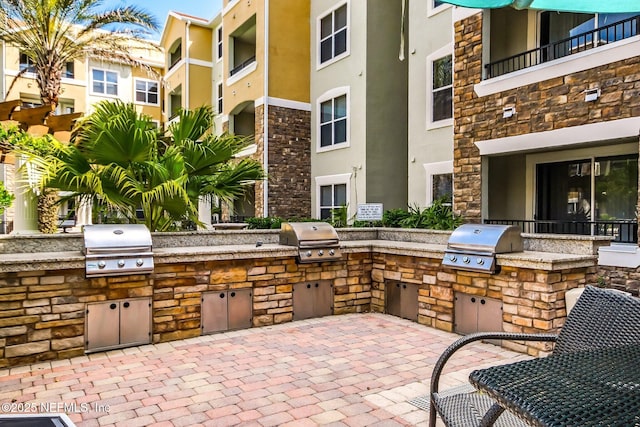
{"points": [[320, 252], [480, 261], [453, 258], [308, 253], [139, 262], [332, 252], [102, 264], [466, 260], [120, 263]]}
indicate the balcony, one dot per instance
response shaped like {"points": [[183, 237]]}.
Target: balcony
{"points": [[603, 35], [242, 66]]}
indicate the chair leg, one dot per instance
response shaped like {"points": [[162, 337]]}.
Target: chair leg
{"points": [[492, 415]]}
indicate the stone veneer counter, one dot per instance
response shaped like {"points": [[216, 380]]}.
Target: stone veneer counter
{"points": [[73, 259], [45, 296]]}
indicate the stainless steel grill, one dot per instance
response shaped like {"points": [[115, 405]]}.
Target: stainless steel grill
{"points": [[117, 249], [316, 241], [474, 246]]}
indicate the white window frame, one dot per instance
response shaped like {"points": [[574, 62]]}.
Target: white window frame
{"points": [[326, 180], [434, 10], [219, 97], [104, 94], [431, 58], [135, 91], [319, 63], [329, 95], [219, 44], [435, 168]]}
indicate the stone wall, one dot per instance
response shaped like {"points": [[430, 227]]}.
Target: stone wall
{"points": [[467, 179], [289, 162], [622, 278], [42, 313], [543, 106], [532, 300]]}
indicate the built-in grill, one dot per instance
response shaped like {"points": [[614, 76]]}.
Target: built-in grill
{"points": [[316, 241], [474, 246], [117, 249]]}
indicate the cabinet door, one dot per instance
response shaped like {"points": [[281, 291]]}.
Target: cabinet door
{"points": [[489, 315], [214, 312], [240, 307], [465, 313], [135, 321], [101, 328], [409, 301], [392, 295], [323, 295], [304, 300]]}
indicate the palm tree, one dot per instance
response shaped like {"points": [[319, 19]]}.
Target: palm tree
{"points": [[52, 33], [119, 157]]}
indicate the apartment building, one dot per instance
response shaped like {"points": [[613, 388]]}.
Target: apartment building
{"points": [[84, 83], [265, 57], [430, 102], [88, 81], [546, 119], [359, 105]]}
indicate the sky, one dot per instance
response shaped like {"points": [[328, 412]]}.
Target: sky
{"points": [[160, 8]]}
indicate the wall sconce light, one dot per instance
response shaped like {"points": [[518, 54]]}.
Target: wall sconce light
{"points": [[591, 94], [508, 112]]}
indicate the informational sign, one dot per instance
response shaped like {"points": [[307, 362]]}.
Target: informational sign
{"points": [[369, 212]]}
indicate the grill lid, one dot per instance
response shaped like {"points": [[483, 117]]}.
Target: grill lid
{"points": [[308, 234], [116, 238], [486, 238], [473, 246], [316, 241]]}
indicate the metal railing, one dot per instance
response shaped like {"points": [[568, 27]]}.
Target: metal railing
{"points": [[622, 231], [243, 65], [611, 33]]}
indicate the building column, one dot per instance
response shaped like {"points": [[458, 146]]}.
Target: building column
{"points": [[25, 219], [204, 212], [83, 213]]}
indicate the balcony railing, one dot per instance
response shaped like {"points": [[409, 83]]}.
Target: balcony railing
{"points": [[240, 67], [560, 49], [622, 231]]}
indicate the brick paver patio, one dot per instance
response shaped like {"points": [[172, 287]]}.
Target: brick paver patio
{"points": [[349, 370]]}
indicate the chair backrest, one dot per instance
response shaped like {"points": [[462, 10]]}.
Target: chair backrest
{"points": [[601, 318]]}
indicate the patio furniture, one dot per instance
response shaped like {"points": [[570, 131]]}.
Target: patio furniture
{"points": [[591, 378]]}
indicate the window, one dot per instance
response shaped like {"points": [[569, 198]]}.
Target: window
{"points": [[175, 53], [220, 98], [146, 91], [332, 197], [442, 188], [104, 82], [439, 182], [26, 63], [442, 89], [219, 43], [333, 34], [333, 119], [68, 70]]}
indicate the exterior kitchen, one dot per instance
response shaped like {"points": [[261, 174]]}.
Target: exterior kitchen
{"points": [[54, 305]]}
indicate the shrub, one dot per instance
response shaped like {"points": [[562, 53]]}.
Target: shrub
{"points": [[6, 198], [266, 223], [438, 216]]}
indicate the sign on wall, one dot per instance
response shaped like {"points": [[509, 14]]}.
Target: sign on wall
{"points": [[369, 212]]}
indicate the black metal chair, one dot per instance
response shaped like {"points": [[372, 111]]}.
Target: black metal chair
{"points": [[600, 319]]}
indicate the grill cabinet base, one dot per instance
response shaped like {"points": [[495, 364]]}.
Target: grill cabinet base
{"points": [[226, 310], [116, 324], [402, 300], [312, 299]]}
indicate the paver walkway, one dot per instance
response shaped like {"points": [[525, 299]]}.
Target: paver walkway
{"points": [[348, 370]]}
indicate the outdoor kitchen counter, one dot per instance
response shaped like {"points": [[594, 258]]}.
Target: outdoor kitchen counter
{"points": [[75, 259]]}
